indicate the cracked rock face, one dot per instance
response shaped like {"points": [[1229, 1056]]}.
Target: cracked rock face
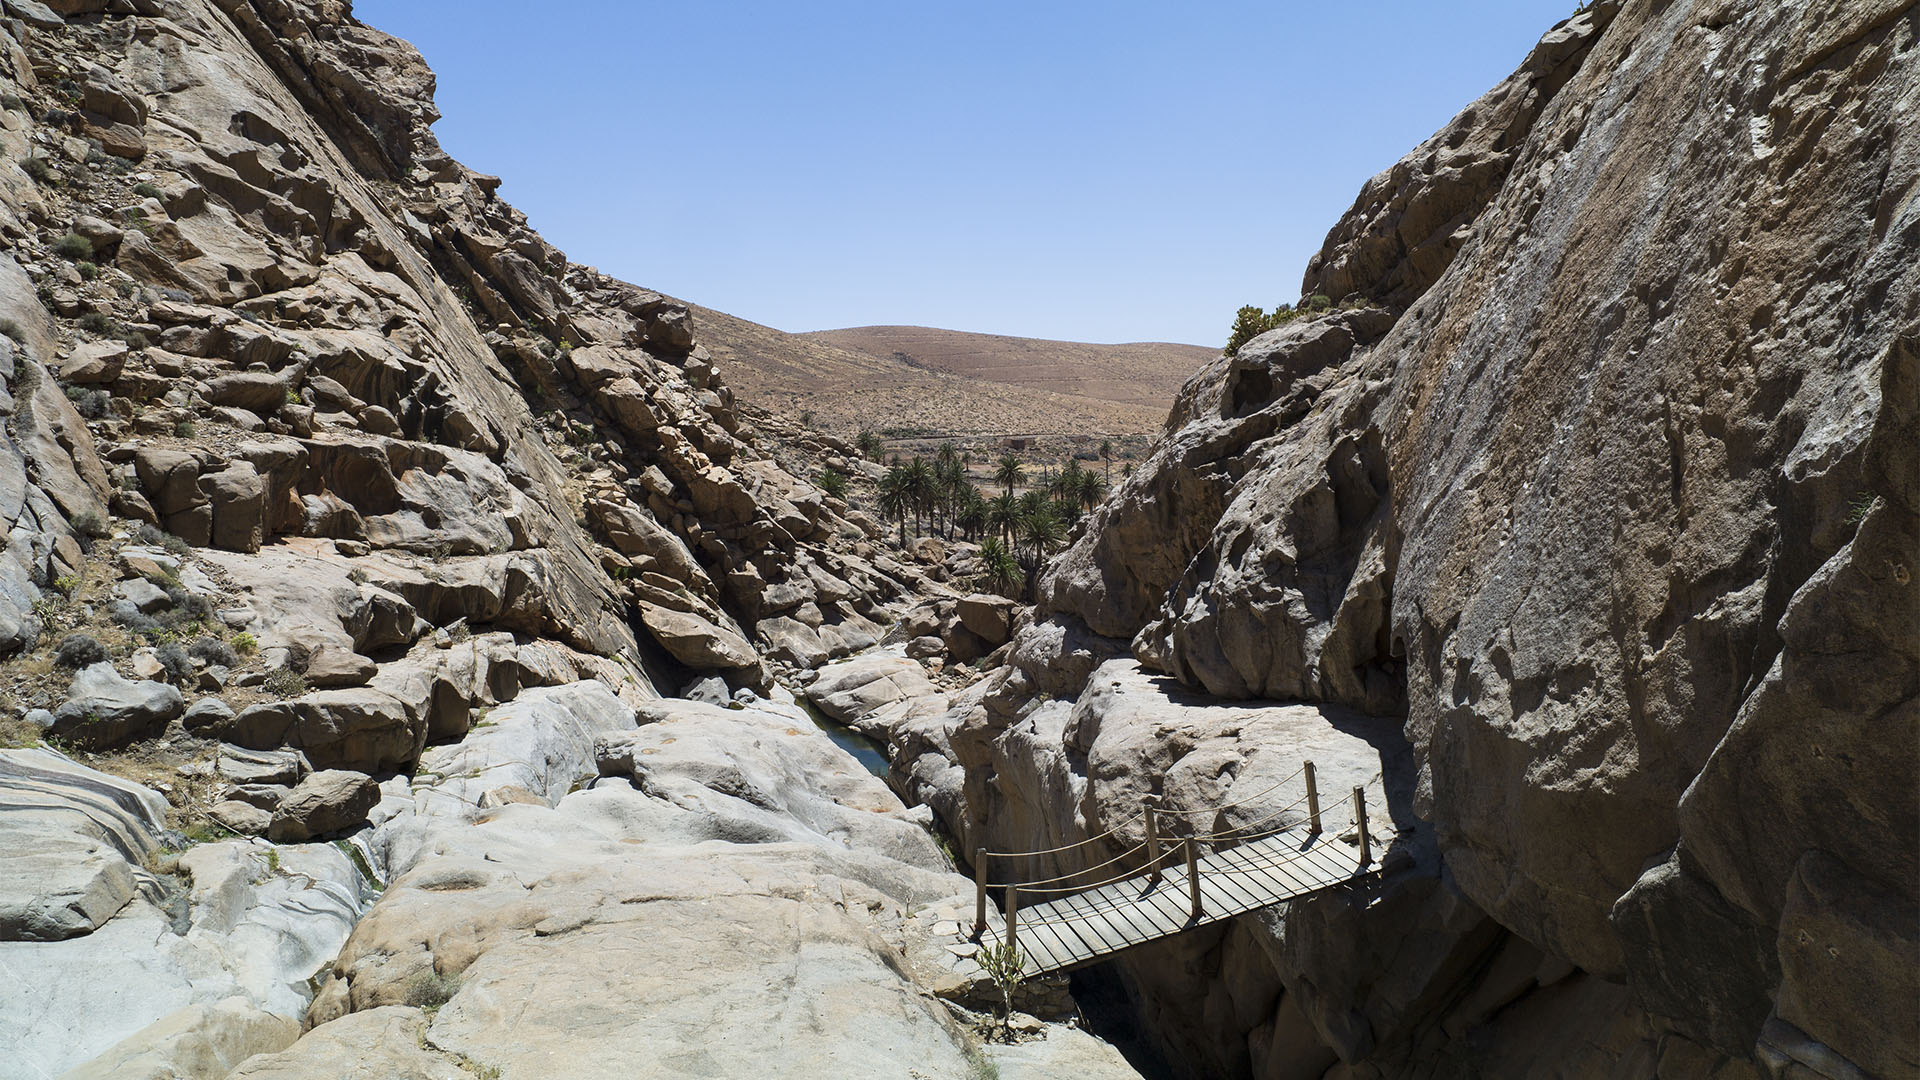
{"points": [[1599, 481]]}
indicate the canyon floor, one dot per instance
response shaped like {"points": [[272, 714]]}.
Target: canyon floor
{"points": [[423, 656]]}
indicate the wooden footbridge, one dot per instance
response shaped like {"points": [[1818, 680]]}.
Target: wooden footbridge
{"points": [[1175, 879]]}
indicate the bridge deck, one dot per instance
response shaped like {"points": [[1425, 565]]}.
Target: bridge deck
{"points": [[1089, 926]]}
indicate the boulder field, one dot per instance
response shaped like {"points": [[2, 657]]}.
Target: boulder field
{"points": [[409, 652]]}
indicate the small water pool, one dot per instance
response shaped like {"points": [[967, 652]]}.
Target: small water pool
{"points": [[869, 753]]}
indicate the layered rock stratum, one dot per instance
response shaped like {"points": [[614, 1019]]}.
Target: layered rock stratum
{"points": [[405, 623], [1595, 495]]}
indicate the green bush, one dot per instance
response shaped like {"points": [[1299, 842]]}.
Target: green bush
{"points": [[284, 682], [245, 644], [88, 523], [14, 330], [184, 429], [73, 246], [78, 651], [40, 169], [88, 271], [147, 190], [1250, 322], [833, 483], [430, 989]]}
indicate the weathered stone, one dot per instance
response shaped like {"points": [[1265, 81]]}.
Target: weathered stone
{"points": [[852, 690], [324, 802], [104, 710], [93, 362], [257, 392], [988, 617], [332, 666], [201, 1040], [694, 641], [241, 816]]}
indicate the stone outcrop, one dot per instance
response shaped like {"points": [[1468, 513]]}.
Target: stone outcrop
{"points": [[1597, 481]]}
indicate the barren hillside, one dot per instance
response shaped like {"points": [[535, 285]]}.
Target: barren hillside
{"points": [[955, 383]]}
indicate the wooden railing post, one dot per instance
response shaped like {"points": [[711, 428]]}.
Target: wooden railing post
{"points": [[1153, 842], [1193, 875], [1360, 822], [979, 893], [1313, 801], [1013, 912]]}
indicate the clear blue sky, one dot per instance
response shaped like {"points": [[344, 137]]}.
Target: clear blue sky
{"points": [[1112, 171]]}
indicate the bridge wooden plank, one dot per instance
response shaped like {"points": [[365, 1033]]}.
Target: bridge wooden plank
{"points": [[1081, 919], [1251, 876], [1083, 916], [1085, 927]]}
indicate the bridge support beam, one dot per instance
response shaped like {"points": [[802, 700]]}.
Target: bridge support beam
{"points": [[1193, 876], [1153, 841], [979, 893], [1360, 823], [1313, 800]]}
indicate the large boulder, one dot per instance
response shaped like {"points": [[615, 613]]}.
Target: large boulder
{"points": [[205, 1039], [66, 843], [362, 728], [326, 801], [105, 710], [696, 642], [258, 392], [852, 690], [988, 617]]}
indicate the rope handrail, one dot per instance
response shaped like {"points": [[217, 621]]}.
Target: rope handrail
{"points": [[1025, 885], [1072, 897], [1111, 830], [1228, 806]]}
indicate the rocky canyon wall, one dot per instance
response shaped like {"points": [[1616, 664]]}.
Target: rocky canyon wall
{"points": [[1597, 486]]}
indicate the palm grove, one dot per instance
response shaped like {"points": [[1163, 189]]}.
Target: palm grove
{"points": [[1016, 531]]}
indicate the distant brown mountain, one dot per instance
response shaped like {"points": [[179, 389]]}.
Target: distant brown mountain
{"points": [[944, 382], [1139, 373]]}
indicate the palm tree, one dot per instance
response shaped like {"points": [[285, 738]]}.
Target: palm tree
{"points": [[919, 482], [1002, 569], [1106, 455], [895, 500], [1092, 490], [1066, 484], [1040, 532], [1009, 472], [971, 512], [869, 444], [1003, 513]]}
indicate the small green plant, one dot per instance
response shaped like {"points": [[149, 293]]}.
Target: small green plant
{"points": [[89, 523], [184, 429], [429, 990], [1860, 506], [147, 190], [293, 396], [68, 584], [175, 546], [245, 643], [73, 246], [41, 170], [88, 271], [273, 860], [94, 322], [284, 682], [1004, 964], [833, 483], [77, 651], [14, 330]]}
